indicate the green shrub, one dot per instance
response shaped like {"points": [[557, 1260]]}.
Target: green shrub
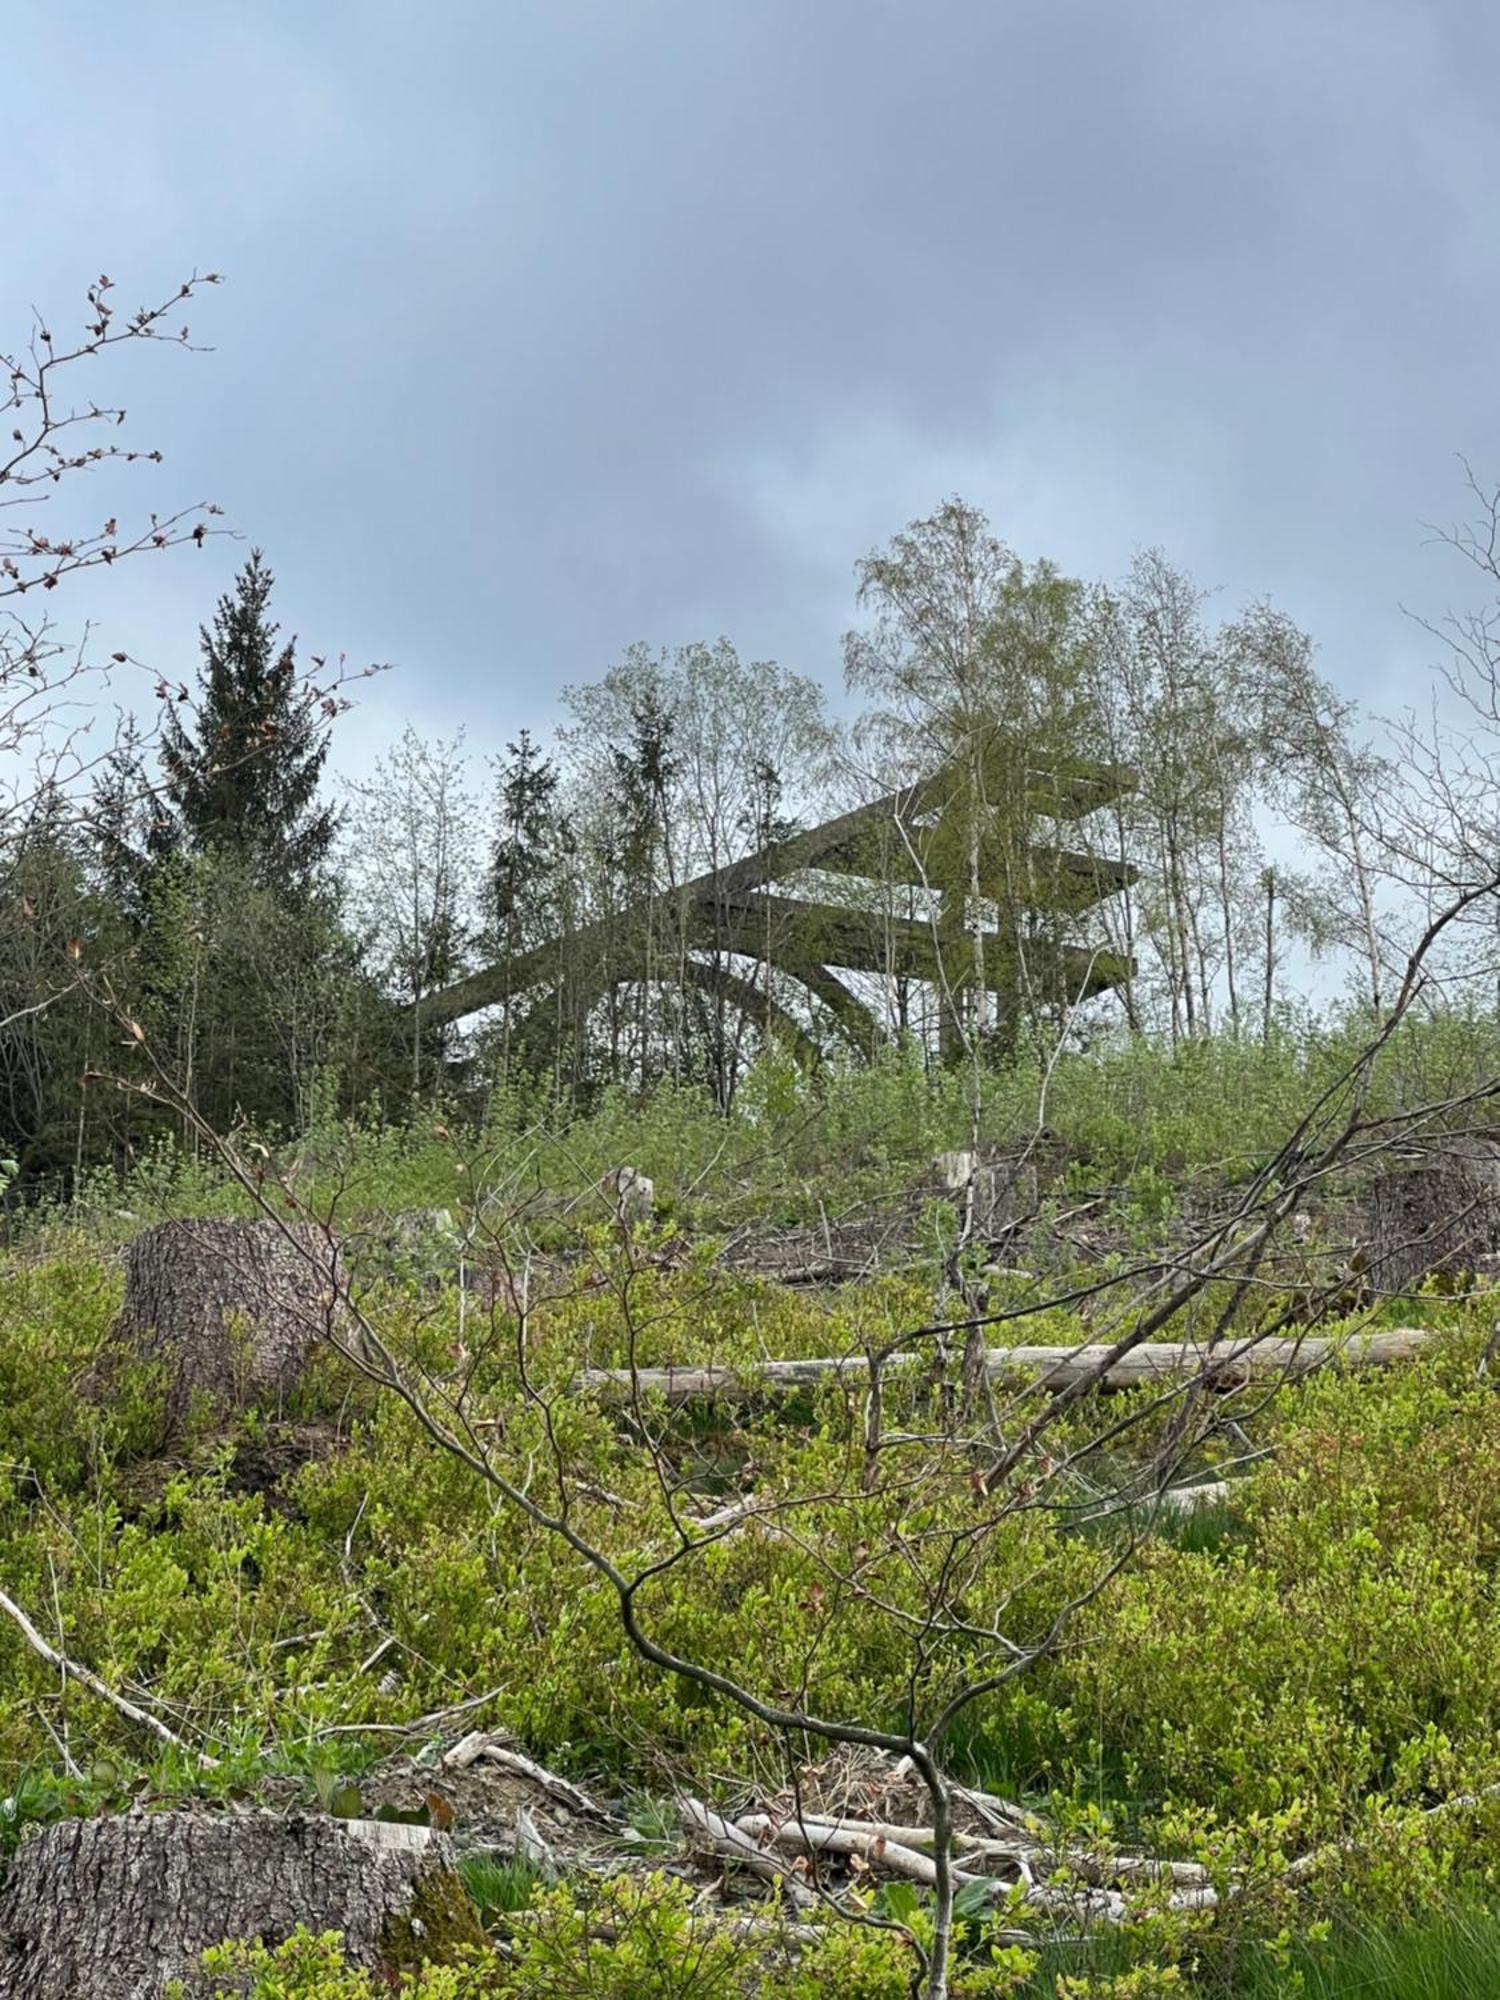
{"points": [[308, 1967], [623, 1938], [1306, 1674]]}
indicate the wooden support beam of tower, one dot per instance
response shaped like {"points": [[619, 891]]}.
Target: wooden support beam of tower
{"points": [[737, 912]]}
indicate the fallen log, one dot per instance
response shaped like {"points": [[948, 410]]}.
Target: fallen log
{"points": [[711, 1834], [848, 1837], [1184, 1500], [1229, 1365], [1031, 1852]]}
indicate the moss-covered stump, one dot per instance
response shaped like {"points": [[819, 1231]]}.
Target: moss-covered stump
{"points": [[111, 1909]]}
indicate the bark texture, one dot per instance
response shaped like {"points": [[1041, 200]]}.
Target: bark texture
{"points": [[1442, 1216], [110, 1909], [229, 1309]]}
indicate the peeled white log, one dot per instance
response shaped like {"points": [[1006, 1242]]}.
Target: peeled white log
{"points": [[1229, 1366], [1189, 1499], [803, 1836], [708, 1831], [468, 1750], [1027, 1852]]}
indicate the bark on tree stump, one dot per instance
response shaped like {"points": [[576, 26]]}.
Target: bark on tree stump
{"points": [[1442, 1215], [229, 1310], [110, 1909]]}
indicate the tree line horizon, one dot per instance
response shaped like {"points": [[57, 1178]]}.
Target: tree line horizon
{"points": [[1061, 812]]}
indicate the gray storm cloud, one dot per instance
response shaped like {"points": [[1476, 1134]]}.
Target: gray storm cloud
{"points": [[552, 326]]}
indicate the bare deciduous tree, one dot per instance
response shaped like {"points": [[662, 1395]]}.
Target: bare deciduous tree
{"points": [[58, 439]]}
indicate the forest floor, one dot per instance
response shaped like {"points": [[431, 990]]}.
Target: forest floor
{"points": [[1207, 1750]]}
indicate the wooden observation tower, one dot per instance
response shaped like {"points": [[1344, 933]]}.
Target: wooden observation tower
{"points": [[852, 896]]}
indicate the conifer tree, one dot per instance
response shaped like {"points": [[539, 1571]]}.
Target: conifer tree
{"points": [[243, 780], [522, 888]]}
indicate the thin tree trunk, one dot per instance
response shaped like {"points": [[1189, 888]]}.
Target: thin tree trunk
{"points": [[1226, 905]]}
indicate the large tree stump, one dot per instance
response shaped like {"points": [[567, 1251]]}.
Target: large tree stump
{"points": [[1441, 1215], [110, 1909], [229, 1310]]}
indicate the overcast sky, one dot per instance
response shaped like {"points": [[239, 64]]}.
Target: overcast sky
{"points": [[551, 326]]}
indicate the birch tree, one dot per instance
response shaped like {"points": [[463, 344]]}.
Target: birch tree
{"points": [[410, 864], [979, 669]]}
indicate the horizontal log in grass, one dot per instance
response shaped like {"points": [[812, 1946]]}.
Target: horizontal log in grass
{"points": [[1230, 1365]]}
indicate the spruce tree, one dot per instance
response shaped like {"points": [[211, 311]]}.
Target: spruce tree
{"points": [[243, 780], [522, 888]]}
